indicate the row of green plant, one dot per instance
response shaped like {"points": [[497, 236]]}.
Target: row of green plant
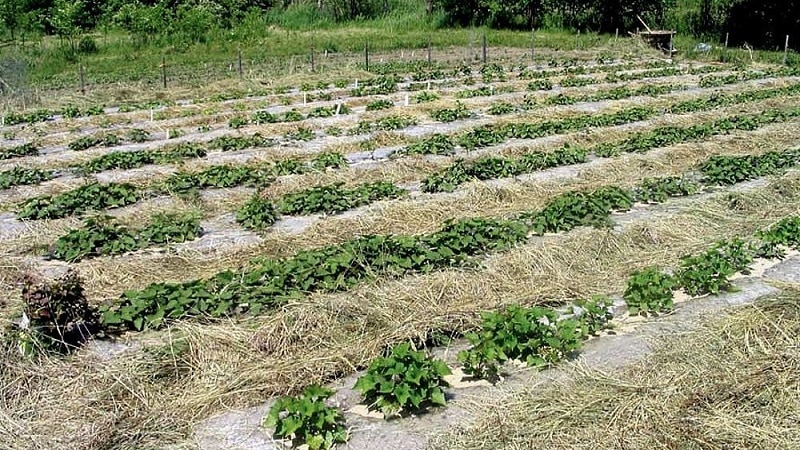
{"points": [[19, 176], [41, 115], [341, 266], [528, 73], [293, 115], [19, 151], [138, 158], [98, 196], [107, 140], [487, 135], [652, 291], [388, 123], [103, 235], [259, 213], [491, 167], [338, 267], [407, 381]]}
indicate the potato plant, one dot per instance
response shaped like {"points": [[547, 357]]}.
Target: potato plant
{"points": [[405, 381], [19, 176], [649, 291], [307, 420], [19, 151], [89, 197]]}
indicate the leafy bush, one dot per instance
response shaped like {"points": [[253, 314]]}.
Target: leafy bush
{"points": [[501, 108], [426, 97], [450, 115], [658, 190], [334, 198], [649, 291], [19, 176], [307, 420], [238, 122], [784, 233], [19, 151], [89, 197], [405, 381], [382, 103], [138, 135], [533, 335], [257, 214], [56, 315], [332, 160], [85, 143], [709, 272], [436, 144], [293, 115], [103, 236]]}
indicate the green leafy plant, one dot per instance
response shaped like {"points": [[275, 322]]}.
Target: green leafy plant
{"points": [[658, 190], [19, 176], [19, 151], [238, 122], [533, 335], [709, 272], [649, 291], [452, 114], [382, 103], [501, 108], [405, 381], [307, 420], [89, 197], [257, 214], [426, 97], [138, 135], [436, 144], [293, 115]]}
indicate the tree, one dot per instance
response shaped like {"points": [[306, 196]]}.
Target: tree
{"points": [[10, 14], [65, 18]]}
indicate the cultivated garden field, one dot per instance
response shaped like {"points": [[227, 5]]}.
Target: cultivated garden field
{"points": [[513, 253]]}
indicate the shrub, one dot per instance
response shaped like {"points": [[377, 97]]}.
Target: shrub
{"points": [[307, 420], [404, 381]]}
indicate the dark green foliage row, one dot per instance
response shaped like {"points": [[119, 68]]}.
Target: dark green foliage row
{"points": [[90, 197], [19, 176], [19, 151], [259, 212], [269, 282], [139, 158], [102, 235], [486, 168], [727, 170]]}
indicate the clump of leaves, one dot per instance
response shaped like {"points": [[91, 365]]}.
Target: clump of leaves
{"points": [[501, 108], [452, 114], [301, 134], [784, 233], [649, 291], [19, 176], [436, 144], [333, 160], [426, 97], [257, 214], [19, 151], [382, 103], [709, 272], [92, 196], [84, 143], [293, 115], [238, 122], [404, 381], [307, 420], [56, 317], [658, 190], [540, 85], [138, 135], [533, 335]]}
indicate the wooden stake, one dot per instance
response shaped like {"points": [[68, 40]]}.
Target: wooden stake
{"points": [[786, 51], [83, 82], [312, 60], [366, 55], [726, 39], [616, 35], [533, 39], [429, 50], [164, 71], [484, 48], [241, 72]]}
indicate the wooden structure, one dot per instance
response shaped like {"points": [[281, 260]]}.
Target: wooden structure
{"points": [[660, 39]]}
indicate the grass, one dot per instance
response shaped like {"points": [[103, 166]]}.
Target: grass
{"points": [[732, 384]]}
